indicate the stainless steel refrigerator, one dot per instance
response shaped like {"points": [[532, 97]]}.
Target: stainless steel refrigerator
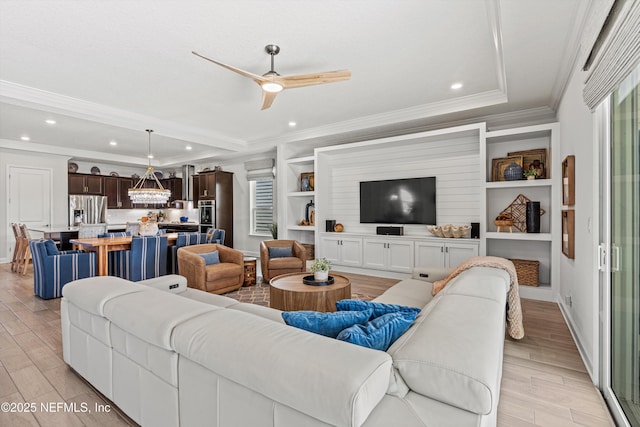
{"points": [[87, 209]]}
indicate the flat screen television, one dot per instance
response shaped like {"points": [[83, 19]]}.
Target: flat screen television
{"points": [[398, 201]]}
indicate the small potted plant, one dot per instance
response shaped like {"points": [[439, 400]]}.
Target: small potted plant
{"points": [[273, 228], [320, 269], [531, 173]]}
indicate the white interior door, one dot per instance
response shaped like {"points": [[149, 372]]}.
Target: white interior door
{"points": [[30, 192]]}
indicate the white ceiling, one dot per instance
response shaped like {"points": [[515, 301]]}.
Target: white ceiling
{"points": [[107, 70]]}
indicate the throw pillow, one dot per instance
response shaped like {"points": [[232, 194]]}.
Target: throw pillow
{"points": [[327, 324], [380, 332], [51, 247], [378, 308], [211, 258], [276, 252]]}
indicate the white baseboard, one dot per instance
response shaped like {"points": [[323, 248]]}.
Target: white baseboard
{"points": [[577, 339]]}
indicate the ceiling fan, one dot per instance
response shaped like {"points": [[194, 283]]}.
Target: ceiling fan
{"points": [[272, 82]]}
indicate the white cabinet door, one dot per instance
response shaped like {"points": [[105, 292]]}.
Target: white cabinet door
{"points": [[375, 254], [351, 252], [400, 256], [457, 253], [429, 254], [331, 249]]}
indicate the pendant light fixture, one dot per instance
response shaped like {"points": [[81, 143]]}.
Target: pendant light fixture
{"points": [[144, 194]]}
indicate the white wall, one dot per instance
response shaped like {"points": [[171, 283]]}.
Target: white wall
{"points": [[242, 240], [58, 164], [577, 276], [453, 160]]}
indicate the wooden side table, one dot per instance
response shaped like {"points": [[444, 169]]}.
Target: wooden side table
{"points": [[287, 292], [249, 271]]}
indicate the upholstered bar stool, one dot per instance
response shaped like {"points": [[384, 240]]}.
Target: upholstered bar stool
{"points": [[17, 247], [25, 252]]}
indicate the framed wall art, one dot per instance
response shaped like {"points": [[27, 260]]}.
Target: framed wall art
{"points": [[568, 231], [306, 181], [569, 181], [500, 164], [536, 159]]}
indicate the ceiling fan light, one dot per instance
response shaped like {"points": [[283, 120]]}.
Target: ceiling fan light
{"points": [[272, 87]]}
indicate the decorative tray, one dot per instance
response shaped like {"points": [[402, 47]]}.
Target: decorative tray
{"points": [[309, 280]]}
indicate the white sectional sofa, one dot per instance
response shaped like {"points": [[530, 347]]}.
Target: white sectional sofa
{"points": [[172, 356]]}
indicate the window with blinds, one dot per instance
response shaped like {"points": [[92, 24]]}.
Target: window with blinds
{"points": [[262, 206]]}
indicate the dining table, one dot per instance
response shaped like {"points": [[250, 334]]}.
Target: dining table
{"points": [[103, 245]]}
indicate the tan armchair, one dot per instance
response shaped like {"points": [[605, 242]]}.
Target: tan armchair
{"points": [[226, 276], [272, 267]]}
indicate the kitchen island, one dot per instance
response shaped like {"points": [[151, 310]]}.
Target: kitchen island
{"points": [[64, 233]]}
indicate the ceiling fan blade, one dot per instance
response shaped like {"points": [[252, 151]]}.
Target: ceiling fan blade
{"points": [[258, 79], [267, 99], [301, 80]]}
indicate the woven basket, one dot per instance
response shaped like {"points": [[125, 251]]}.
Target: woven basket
{"points": [[527, 271]]}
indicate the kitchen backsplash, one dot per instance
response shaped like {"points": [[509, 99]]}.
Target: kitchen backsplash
{"points": [[121, 216]]}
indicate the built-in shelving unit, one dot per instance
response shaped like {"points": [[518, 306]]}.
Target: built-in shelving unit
{"points": [[290, 166], [461, 159], [544, 246]]}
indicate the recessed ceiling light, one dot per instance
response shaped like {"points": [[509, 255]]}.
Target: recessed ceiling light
{"points": [[292, 124], [50, 122], [114, 143], [25, 138], [188, 147], [456, 86], [150, 156]]}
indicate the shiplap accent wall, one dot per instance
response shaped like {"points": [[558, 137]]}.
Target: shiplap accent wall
{"points": [[453, 161]]}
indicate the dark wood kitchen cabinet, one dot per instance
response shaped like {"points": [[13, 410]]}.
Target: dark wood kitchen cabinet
{"points": [[207, 187], [195, 188], [218, 186], [117, 191], [175, 186], [80, 183]]}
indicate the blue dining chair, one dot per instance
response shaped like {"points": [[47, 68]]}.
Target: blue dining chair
{"points": [[148, 258], [117, 258], [217, 235], [52, 269], [184, 239]]}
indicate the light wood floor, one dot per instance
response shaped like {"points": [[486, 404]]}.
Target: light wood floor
{"points": [[544, 381]]}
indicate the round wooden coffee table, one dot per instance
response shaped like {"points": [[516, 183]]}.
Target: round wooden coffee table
{"points": [[288, 293]]}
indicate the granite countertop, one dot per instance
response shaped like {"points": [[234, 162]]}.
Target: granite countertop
{"points": [[115, 226], [67, 228]]}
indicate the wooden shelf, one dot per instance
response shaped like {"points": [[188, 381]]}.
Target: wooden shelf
{"points": [[521, 183], [536, 237], [301, 194], [302, 227]]}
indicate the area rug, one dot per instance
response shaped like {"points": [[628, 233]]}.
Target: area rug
{"points": [[259, 294]]}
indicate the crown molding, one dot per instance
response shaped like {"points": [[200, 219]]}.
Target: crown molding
{"points": [[29, 97], [72, 153], [493, 16], [570, 57], [395, 117]]}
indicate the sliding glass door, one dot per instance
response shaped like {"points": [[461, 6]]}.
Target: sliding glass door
{"points": [[624, 229]]}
